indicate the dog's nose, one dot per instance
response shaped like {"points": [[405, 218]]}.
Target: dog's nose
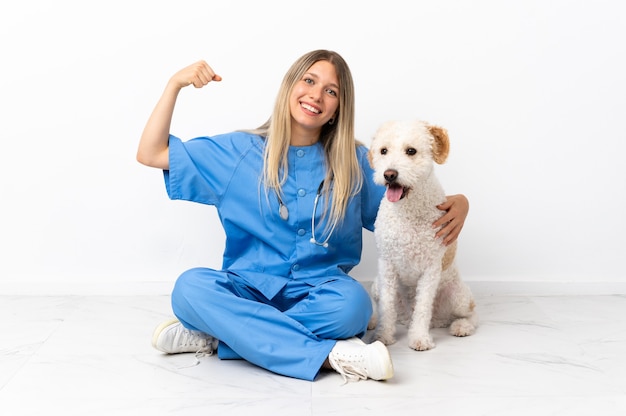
{"points": [[390, 175]]}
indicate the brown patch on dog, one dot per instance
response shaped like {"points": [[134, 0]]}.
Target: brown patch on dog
{"points": [[448, 257], [441, 144]]}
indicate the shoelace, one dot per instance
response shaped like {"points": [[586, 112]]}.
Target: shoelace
{"points": [[347, 369], [188, 338], [206, 346]]}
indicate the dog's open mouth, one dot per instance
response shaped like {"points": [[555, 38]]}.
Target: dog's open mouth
{"points": [[395, 192]]}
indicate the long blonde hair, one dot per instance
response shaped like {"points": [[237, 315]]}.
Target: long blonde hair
{"points": [[342, 166]]}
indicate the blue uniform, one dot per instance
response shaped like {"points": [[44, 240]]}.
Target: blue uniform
{"points": [[279, 300]]}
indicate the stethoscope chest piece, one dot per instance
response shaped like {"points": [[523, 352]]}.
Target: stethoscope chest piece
{"points": [[283, 212]]}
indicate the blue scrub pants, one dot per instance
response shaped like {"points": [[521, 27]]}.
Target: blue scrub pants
{"points": [[290, 334]]}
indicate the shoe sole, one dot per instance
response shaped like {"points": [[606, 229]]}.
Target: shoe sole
{"points": [[160, 328], [387, 372]]}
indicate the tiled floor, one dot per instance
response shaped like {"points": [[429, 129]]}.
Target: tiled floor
{"points": [[536, 352]]}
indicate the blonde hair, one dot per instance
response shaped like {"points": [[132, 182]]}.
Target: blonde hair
{"points": [[342, 166]]}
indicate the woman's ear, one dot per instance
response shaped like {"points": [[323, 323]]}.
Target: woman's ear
{"points": [[441, 144]]}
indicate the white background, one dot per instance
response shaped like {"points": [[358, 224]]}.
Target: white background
{"points": [[533, 95]]}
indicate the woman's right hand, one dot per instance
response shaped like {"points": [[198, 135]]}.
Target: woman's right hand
{"points": [[198, 74], [154, 143]]}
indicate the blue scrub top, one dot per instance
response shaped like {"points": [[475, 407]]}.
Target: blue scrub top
{"points": [[264, 250]]}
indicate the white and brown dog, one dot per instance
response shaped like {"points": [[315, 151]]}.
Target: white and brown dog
{"points": [[418, 281]]}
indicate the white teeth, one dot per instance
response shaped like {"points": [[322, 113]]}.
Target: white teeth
{"points": [[312, 109]]}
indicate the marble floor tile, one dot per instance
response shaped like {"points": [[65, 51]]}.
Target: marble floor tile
{"points": [[533, 354]]}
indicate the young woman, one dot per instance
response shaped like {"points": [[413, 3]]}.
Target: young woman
{"points": [[293, 197]]}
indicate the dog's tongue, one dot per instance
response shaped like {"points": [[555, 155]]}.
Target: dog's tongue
{"points": [[394, 193]]}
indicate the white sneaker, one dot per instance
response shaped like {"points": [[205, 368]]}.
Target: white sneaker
{"points": [[172, 337], [356, 340], [358, 361]]}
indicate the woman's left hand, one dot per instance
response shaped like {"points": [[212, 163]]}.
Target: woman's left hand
{"points": [[451, 223]]}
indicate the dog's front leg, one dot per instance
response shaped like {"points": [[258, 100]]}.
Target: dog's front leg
{"points": [[426, 290], [386, 287]]}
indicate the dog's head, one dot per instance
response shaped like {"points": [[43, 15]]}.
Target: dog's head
{"points": [[402, 154]]}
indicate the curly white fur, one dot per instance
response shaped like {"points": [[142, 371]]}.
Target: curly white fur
{"points": [[418, 281]]}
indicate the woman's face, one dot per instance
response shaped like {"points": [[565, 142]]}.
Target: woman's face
{"points": [[314, 98]]}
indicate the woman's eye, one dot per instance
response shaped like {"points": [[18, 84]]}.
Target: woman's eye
{"points": [[308, 80], [331, 92], [411, 151]]}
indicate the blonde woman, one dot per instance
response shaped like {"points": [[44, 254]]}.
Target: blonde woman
{"points": [[293, 197]]}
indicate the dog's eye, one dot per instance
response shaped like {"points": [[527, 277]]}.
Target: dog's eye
{"points": [[411, 151], [383, 151]]}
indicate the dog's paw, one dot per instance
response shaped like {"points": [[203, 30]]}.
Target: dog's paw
{"points": [[386, 339], [372, 323], [422, 344], [462, 328]]}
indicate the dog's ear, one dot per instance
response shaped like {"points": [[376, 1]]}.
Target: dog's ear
{"points": [[441, 144], [370, 157]]}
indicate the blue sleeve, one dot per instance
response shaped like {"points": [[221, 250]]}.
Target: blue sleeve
{"points": [[201, 169], [371, 192]]}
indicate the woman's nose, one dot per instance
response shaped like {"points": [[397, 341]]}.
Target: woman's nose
{"points": [[315, 93]]}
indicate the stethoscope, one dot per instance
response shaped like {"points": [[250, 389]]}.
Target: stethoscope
{"points": [[283, 212]]}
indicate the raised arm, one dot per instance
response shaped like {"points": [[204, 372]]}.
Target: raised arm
{"points": [[153, 148]]}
